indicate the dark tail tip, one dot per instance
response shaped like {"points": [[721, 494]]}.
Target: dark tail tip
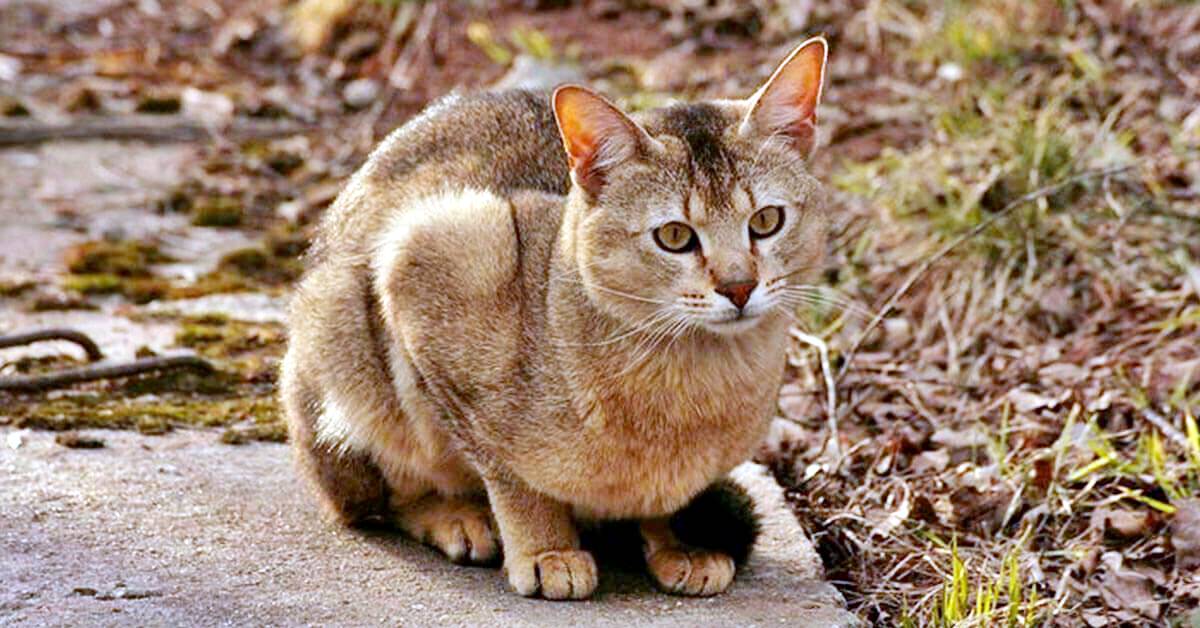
{"points": [[721, 518]]}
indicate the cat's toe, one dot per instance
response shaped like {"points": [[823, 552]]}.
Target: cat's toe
{"points": [[691, 572], [462, 530], [466, 538], [555, 575]]}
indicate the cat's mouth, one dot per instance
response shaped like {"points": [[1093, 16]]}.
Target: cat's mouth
{"points": [[733, 324]]}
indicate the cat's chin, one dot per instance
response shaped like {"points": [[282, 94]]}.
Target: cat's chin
{"points": [[733, 326]]}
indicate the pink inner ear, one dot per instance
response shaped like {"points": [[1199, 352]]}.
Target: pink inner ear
{"points": [[805, 73], [788, 103], [595, 134]]}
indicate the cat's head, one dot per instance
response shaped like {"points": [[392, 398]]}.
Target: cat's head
{"points": [[698, 215]]}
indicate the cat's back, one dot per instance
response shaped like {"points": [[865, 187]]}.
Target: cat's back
{"points": [[501, 142]]}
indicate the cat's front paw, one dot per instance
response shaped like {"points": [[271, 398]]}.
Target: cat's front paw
{"points": [[555, 575], [691, 571]]}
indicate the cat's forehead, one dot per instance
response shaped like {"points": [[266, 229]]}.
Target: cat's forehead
{"points": [[707, 156], [703, 129]]}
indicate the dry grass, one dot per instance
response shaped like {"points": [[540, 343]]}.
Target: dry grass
{"points": [[1041, 375]]}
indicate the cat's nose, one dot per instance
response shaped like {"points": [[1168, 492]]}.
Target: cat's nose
{"points": [[738, 292]]}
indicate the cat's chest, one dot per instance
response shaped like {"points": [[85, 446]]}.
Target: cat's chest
{"points": [[645, 446], [638, 461]]}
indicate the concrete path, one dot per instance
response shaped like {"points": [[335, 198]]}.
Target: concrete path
{"points": [[180, 530]]}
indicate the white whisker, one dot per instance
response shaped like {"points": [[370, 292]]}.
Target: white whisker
{"points": [[644, 324], [798, 299]]}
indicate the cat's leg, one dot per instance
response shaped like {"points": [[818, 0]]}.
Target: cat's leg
{"points": [[351, 487], [436, 496], [680, 569], [442, 505], [542, 555]]}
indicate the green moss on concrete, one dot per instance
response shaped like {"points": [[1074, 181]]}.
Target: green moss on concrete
{"points": [[157, 416], [224, 339], [93, 284], [128, 258], [217, 211]]}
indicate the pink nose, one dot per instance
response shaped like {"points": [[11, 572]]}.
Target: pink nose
{"points": [[738, 292]]}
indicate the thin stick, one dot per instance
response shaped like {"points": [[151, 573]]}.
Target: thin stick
{"points": [[1164, 426], [62, 379], [830, 387], [950, 246], [70, 335]]}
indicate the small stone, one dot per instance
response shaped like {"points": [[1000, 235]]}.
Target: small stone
{"points": [[86, 591], [529, 72], [10, 68], [211, 108], [360, 92], [290, 210], [950, 72], [75, 440], [137, 594]]}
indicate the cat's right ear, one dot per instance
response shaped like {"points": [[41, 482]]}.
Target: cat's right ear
{"points": [[595, 134]]}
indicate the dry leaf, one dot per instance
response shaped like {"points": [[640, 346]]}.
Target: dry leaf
{"points": [[969, 438], [974, 508], [1127, 590], [935, 460], [1119, 523], [1026, 402], [1185, 534], [894, 518], [1043, 473]]}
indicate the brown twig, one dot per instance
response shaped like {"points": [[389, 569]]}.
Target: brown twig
{"points": [[70, 335], [145, 128], [62, 379], [953, 244]]}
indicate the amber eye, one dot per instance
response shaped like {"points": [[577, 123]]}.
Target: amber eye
{"points": [[676, 237], [766, 221]]}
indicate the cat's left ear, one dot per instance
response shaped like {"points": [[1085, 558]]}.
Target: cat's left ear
{"points": [[786, 105], [596, 135]]}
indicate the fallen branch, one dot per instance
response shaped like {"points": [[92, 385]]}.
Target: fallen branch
{"points": [[140, 127], [1164, 426], [62, 379], [953, 244], [89, 346]]}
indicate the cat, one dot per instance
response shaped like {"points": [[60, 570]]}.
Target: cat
{"points": [[529, 311]]}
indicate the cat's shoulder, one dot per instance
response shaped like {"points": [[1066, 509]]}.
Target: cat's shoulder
{"points": [[461, 123], [461, 241]]}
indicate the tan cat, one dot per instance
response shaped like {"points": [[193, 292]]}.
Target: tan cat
{"points": [[495, 334]]}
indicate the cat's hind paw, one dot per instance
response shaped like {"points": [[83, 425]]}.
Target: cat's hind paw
{"points": [[462, 530], [695, 572]]}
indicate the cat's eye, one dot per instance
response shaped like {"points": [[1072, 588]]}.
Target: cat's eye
{"points": [[766, 222], [676, 237]]}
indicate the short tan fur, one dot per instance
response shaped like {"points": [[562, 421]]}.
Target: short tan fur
{"points": [[529, 311]]}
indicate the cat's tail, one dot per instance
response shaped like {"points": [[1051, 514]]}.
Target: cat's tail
{"points": [[722, 518], [729, 516]]}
